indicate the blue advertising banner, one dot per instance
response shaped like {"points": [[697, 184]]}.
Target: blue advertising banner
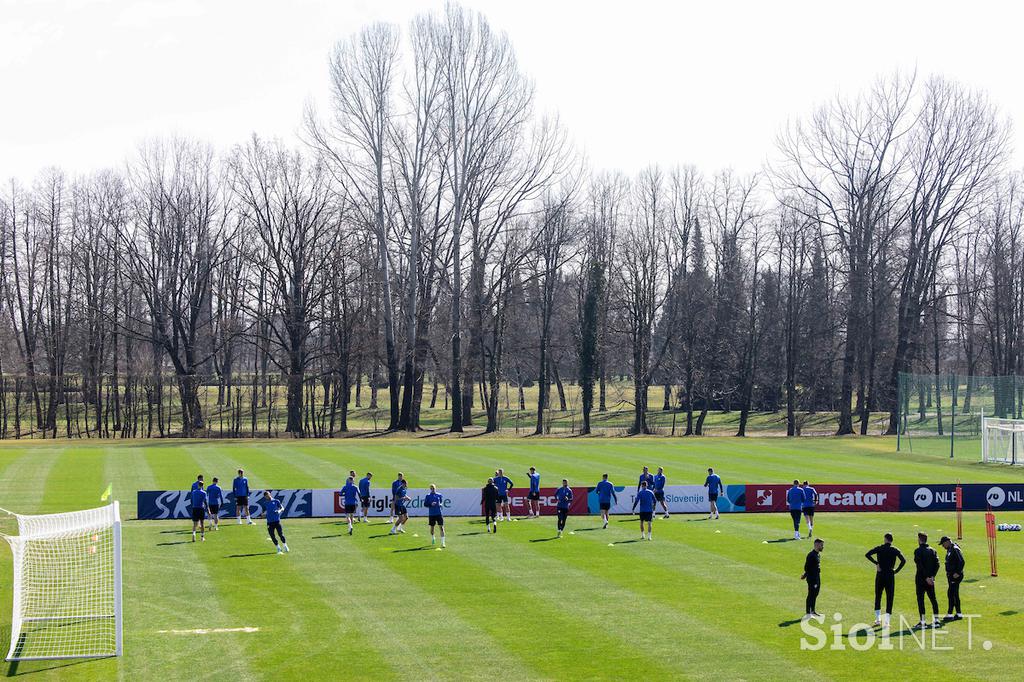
{"points": [[174, 504], [976, 497]]}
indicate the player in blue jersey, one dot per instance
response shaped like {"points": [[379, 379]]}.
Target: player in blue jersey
{"points": [[533, 498], [198, 499], [215, 498], [272, 508], [198, 483], [810, 501], [605, 494], [713, 483], [399, 497], [645, 477], [240, 489], [795, 500], [504, 484], [645, 499], [350, 498], [364, 497], [659, 490], [564, 502], [434, 502]]}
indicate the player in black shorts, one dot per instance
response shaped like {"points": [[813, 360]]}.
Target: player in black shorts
{"points": [[489, 501]]}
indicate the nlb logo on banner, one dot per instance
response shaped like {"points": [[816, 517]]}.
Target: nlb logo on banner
{"points": [[851, 498], [976, 497], [175, 504]]}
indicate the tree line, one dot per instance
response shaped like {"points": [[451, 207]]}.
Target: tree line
{"points": [[434, 232]]}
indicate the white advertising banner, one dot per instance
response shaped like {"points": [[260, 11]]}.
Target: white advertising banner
{"points": [[681, 499], [457, 502]]}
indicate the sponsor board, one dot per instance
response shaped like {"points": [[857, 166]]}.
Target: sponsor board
{"points": [[175, 504], [849, 498], [457, 502], [681, 499], [976, 497]]}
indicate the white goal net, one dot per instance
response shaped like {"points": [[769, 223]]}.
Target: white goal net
{"points": [[1002, 440], [67, 585]]}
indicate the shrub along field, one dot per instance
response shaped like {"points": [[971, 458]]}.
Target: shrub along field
{"points": [[702, 599]]}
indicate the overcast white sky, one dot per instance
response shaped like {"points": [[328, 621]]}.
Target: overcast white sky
{"points": [[635, 82]]}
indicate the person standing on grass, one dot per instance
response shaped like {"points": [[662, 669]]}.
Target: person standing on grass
{"points": [[364, 496], [533, 499], [812, 574], [240, 489], [954, 576], [434, 502], [713, 483], [927, 563], [489, 500], [645, 498], [199, 502], [503, 483], [659, 490], [272, 508], [795, 500], [350, 498], [645, 477], [395, 485], [884, 557], [198, 483], [399, 496], [564, 502], [810, 501], [605, 494], [215, 498]]}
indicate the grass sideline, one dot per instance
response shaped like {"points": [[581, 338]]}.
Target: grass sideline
{"points": [[595, 604]]}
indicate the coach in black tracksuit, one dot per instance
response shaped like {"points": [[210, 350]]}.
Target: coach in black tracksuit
{"points": [[884, 557], [489, 499], [927, 563], [812, 574], [955, 575]]}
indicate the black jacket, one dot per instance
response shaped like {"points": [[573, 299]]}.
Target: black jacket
{"points": [[812, 566], [954, 560], [489, 495], [887, 556], [927, 561]]}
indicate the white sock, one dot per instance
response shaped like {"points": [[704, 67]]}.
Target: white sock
{"points": [[878, 614]]}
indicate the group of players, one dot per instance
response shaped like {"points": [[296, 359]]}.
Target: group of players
{"points": [[356, 500]]}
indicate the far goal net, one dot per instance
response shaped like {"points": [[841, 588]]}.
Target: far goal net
{"points": [[67, 585], [1002, 440]]}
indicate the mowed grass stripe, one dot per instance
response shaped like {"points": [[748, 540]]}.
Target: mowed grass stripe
{"points": [[26, 480]]}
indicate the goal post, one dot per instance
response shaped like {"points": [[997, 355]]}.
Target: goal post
{"points": [[67, 585], [1002, 440]]}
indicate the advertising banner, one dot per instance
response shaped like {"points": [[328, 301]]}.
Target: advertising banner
{"points": [[977, 497], [457, 502], [174, 504], [848, 498], [681, 499]]}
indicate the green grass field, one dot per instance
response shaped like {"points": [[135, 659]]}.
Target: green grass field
{"points": [[704, 599]]}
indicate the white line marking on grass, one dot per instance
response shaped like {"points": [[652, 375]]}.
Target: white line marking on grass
{"points": [[207, 631]]}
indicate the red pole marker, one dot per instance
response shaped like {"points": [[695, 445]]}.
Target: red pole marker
{"points": [[959, 512], [990, 531]]}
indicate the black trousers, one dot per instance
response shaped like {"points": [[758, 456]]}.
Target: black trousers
{"points": [[563, 514], [885, 582], [923, 588], [490, 512], [953, 593], [795, 513], [275, 526], [813, 588]]}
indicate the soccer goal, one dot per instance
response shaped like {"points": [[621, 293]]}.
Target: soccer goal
{"points": [[1002, 440], [67, 585]]}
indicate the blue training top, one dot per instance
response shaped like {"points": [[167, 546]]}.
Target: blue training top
{"points": [[659, 482], [605, 491], [795, 498], [195, 485], [564, 495], [810, 497], [434, 502], [198, 498], [535, 482], [503, 483], [364, 486], [646, 477], [645, 498], [273, 508], [713, 483], [240, 486], [351, 493], [215, 495]]}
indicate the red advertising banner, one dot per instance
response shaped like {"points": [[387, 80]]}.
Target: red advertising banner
{"points": [[849, 498], [517, 501]]}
